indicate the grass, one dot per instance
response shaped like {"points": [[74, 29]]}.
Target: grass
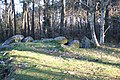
{"points": [[52, 61]]}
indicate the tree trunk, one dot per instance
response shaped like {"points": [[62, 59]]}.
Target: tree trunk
{"points": [[24, 19], [39, 22], [49, 27], [13, 16], [107, 18], [62, 18], [28, 19], [6, 19], [1, 31], [94, 38], [10, 33], [45, 20], [32, 29], [102, 21], [53, 19], [103, 9]]}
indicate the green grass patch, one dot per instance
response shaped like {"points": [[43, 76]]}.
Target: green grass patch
{"points": [[51, 45], [52, 61]]}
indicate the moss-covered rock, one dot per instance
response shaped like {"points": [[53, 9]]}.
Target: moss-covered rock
{"points": [[61, 39], [13, 39]]}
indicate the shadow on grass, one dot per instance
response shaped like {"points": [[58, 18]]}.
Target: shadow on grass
{"points": [[58, 75], [109, 50], [46, 74], [88, 76], [84, 58], [27, 77], [52, 75], [18, 56], [99, 61], [30, 47]]}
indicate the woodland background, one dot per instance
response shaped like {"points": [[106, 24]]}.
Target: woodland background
{"points": [[69, 18]]}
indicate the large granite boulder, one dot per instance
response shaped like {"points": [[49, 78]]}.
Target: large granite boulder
{"points": [[28, 39], [13, 39], [61, 39], [87, 43], [74, 43]]}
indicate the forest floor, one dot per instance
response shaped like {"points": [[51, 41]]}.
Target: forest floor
{"points": [[52, 61]]}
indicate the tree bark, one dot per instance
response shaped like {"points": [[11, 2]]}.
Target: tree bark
{"points": [[39, 21], [45, 19], [52, 19], [28, 19], [103, 14], [6, 19], [24, 19], [94, 38], [62, 18], [102, 22], [13, 16], [32, 29]]}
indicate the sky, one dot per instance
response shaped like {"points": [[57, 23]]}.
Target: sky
{"points": [[18, 6]]}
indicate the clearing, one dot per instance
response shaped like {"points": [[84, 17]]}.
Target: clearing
{"points": [[50, 60]]}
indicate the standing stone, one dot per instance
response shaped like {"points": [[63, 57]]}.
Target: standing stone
{"points": [[74, 43], [87, 43]]}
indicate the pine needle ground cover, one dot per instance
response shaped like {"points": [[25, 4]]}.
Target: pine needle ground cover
{"points": [[53, 61]]}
